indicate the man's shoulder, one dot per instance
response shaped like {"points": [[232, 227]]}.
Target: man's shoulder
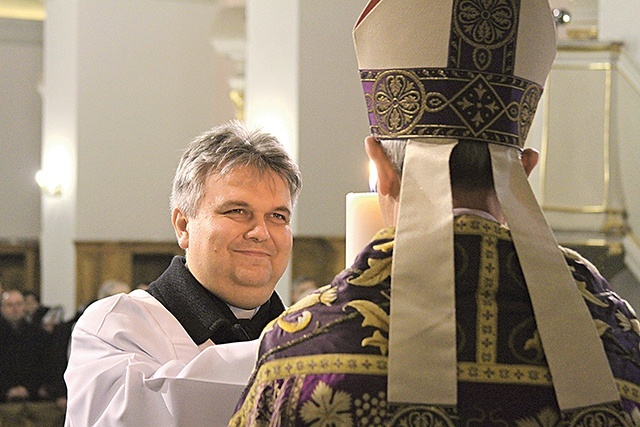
{"points": [[339, 310], [134, 321], [585, 273], [118, 302], [573, 257], [123, 310]]}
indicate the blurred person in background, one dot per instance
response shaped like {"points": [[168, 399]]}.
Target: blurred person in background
{"points": [[22, 353], [302, 287], [113, 287]]}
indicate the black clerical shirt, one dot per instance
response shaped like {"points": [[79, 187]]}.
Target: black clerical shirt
{"points": [[202, 314]]}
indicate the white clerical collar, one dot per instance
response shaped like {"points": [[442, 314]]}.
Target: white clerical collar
{"points": [[242, 313], [476, 212]]}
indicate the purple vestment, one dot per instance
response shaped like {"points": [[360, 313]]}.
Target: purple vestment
{"points": [[324, 361]]}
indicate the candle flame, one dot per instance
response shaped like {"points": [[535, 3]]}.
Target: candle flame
{"points": [[373, 176]]}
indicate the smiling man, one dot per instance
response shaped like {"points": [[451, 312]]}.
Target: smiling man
{"points": [[148, 357], [238, 243]]}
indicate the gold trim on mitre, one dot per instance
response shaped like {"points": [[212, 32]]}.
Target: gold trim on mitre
{"points": [[417, 51]]}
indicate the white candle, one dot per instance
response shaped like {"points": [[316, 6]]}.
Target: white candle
{"points": [[364, 220]]}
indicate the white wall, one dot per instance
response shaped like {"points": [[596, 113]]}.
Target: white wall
{"points": [[333, 116], [145, 90], [20, 116], [128, 85], [618, 21]]}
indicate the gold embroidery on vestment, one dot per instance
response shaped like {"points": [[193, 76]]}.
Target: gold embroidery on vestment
{"points": [[503, 374], [487, 311], [357, 364], [376, 317], [628, 390]]}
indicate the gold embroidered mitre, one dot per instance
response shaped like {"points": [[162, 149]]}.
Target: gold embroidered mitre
{"points": [[436, 72]]}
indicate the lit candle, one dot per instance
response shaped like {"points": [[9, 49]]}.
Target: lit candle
{"points": [[364, 219]]}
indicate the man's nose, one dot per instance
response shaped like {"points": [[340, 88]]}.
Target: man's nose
{"points": [[258, 231]]}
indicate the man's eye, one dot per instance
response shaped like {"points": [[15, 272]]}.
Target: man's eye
{"points": [[236, 212], [281, 218]]}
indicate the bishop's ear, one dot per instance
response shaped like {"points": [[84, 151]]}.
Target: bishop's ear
{"points": [[180, 222], [388, 179], [529, 159]]}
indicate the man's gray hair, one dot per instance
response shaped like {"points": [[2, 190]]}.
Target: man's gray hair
{"points": [[221, 150], [395, 149], [469, 165]]}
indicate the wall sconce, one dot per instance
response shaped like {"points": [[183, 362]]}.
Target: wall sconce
{"points": [[55, 177], [49, 183]]}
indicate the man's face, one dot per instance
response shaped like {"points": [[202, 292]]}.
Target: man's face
{"points": [[12, 306], [239, 243]]}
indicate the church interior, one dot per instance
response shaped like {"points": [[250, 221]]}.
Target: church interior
{"points": [[99, 97]]}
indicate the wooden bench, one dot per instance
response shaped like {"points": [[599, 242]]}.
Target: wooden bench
{"points": [[31, 414]]}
